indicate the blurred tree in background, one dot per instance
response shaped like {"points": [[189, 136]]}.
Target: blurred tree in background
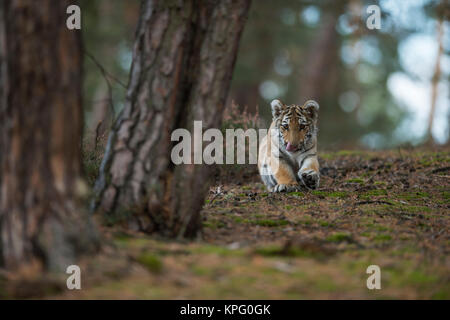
{"points": [[374, 86], [109, 27], [296, 50]]}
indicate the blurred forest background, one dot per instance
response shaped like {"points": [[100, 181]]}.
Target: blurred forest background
{"points": [[377, 88]]}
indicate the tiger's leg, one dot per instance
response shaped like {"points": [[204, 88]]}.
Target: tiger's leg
{"points": [[309, 172], [267, 176], [264, 167], [284, 176]]}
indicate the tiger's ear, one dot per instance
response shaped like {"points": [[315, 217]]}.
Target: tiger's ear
{"points": [[312, 107], [277, 108]]}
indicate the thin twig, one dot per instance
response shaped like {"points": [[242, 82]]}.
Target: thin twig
{"points": [[107, 76], [105, 73]]}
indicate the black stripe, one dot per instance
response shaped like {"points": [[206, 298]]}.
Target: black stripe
{"points": [[309, 149]]}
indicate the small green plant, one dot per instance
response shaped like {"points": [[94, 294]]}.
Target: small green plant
{"points": [[270, 223], [273, 251], [214, 224], [355, 180], [340, 237], [376, 192], [334, 194], [324, 223], [150, 262], [382, 237]]}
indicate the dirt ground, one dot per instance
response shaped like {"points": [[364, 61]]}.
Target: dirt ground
{"points": [[388, 208]]}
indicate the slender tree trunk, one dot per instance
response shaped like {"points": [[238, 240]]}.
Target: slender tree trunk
{"points": [[435, 79], [183, 61], [41, 223], [321, 58]]}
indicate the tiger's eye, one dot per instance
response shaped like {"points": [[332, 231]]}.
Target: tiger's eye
{"points": [[285, 126]]}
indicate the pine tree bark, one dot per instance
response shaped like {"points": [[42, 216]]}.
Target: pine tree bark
{"points": [[184, 56], [41, 221]]}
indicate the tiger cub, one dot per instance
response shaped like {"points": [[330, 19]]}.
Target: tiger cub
{"points": [[288, 153]]}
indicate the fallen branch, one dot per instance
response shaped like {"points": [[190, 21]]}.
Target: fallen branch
{"points": [[437, 170]]}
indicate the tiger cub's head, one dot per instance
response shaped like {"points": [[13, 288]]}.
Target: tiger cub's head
{"points": [[297, 125]]}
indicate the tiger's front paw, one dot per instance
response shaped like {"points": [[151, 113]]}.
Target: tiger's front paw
{"points": [[286, 188], [310, 179]]}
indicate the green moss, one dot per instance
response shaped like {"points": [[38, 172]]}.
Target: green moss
{"points": [[335, 194], [364, 198], [414, 195], [426, 163], [218, 250], [324, 223], [340, 237], [325, 284], [376, 192], [268, 251], [270, 223], [214, 224], [240, 220], [381, 228], [338, 194], [443, 294], [415, 209], [271, 251], [356, 180], [382, 237], [201, 271], [151, 262], [264, 194], [420, 278], [288, 207], [262, 222], [259, 215], [377, 227], [367, 174], [131, 242]]}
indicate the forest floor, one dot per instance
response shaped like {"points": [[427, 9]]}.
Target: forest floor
{"points": [[388, 208]]}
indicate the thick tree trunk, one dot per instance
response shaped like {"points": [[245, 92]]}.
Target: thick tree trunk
{"points": [[184, 57], [41, 223]]}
